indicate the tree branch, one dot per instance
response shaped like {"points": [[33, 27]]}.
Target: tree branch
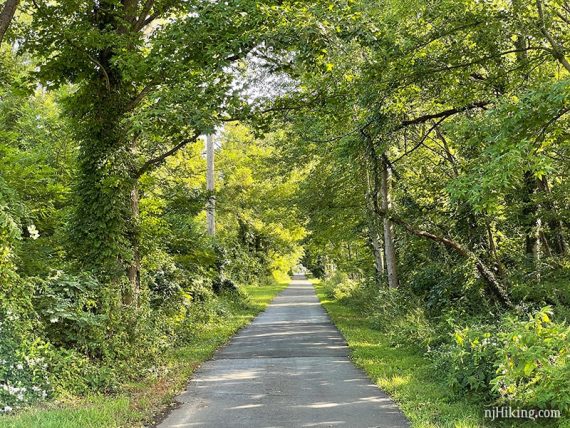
{"points": [[557, 48], [441, 114], [157, 161], [493, 284], [475, 61], [144, 18], [141, 95], [421, 142]]}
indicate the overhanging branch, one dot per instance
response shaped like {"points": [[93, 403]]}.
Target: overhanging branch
{"points": [[441, 114], [158, 160]]}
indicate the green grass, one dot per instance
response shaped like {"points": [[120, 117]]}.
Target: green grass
{"points": [[138, 404], [406, 374]]}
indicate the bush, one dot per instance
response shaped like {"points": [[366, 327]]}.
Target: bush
{"points": [[469, 361], [534, 363], [339, 286], [74, 374], [23, 376], [68, 307], [162, 277], [517, 362]]}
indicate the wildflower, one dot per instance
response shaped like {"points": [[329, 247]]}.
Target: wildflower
{"points": [[34, 233]]}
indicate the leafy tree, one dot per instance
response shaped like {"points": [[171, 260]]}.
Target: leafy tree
{"points": [[150, 77]]}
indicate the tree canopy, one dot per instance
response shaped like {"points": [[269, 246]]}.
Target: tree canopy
{"points": [[405, 150]]}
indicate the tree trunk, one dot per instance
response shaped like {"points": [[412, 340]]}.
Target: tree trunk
{"points": [[134, 269], [389, 247], [378, 252], [381, 178], [493, 284], [210, 184], [530, 217], [373, 232], [6, 16], [555, 226], [106, 229], [493, 249]]}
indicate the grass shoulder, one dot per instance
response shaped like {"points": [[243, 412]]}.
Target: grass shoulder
{"points": [[139, 404]]}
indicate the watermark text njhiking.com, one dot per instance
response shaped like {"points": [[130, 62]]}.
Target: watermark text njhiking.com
{"points": [[507, 412]]}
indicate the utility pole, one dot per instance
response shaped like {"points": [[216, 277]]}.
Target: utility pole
{"points": [[210, 186]]}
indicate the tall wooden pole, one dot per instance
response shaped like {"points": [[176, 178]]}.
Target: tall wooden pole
{"points": [[210, 186]]}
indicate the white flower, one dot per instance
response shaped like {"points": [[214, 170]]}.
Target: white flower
{"points": [[19, 366], [34, 233], [7, 409]]}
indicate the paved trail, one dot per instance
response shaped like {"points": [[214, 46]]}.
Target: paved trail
{"points": [[289, 368]]}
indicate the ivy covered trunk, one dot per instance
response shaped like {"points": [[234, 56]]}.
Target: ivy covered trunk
{"points": [[106, 215], [105, 222]]}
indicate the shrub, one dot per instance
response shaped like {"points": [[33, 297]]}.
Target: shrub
{"points": [[534, 363], [517, 362], [23, 376], [162, 277], [68, 307], [73, 374], [469, 361], [339, 286]]}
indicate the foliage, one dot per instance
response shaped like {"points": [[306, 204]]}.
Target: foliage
{"points": [[339, 286], [344, 128], [469, 361], [23, 375], [519, 362], [68, 309], [533, 363]]}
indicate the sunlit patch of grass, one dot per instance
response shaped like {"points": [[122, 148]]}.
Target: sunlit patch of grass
{"points": [[93, 412], [139, 402]]}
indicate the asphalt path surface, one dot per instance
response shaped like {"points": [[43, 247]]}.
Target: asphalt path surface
{"points": [[288, 368]]}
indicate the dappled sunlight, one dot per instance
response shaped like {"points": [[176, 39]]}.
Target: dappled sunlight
{"points": [[396, 381], [246, 406], [290, 367], [294, 305], [321, 405], [239, 375]]}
